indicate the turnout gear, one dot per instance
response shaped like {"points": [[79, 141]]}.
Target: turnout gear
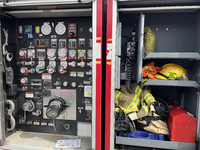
{"points": [[139, 101], [123, 123], [143, 106]]}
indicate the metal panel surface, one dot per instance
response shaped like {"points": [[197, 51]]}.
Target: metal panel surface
{"points": [[69, 96], [140, 48], [155, 143], [172, 83], [172, 55]]}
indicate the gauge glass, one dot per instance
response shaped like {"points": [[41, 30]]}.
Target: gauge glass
{"points": [[89, 54], [23, 80], [46, 29], [30, 53], [51, 53], [62, 52], [72, 53], [81, 54], [21, 53], [22, 70], [60, 29]]}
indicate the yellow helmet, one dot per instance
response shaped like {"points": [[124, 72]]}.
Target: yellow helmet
{"points": [[172, 71]]}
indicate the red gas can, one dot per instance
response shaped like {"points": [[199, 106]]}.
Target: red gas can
{"points": [[182, 126]]}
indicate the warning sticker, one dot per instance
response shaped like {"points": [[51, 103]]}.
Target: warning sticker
{"points": [[88, 106], [68, 143], [87, 91]]}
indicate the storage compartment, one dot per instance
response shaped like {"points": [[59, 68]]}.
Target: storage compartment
{"points": [[176, 30], [51, 72]]}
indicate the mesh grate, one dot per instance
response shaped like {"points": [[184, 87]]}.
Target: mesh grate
{"points": [[69, 96]]}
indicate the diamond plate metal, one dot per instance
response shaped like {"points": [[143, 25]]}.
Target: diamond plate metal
{"points": [[69, 96]]}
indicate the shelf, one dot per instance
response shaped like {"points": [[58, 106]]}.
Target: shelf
{"points": [[173, 55], [155, 143], [181, 83]]}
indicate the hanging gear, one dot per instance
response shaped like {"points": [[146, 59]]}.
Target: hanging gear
{"points": [[149, 41], [131, 46], [149, 71], [172, 71]]}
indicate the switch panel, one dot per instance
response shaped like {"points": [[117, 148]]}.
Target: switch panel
{"points": [[41, 42], [72, 30], [72, 43], [62, 43]]}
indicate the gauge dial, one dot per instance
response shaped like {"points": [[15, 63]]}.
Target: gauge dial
{"points": [[21, 53], [81, 54], [60, 29], [51, 52], [30, 53], [24, 80], [89, 54], [46, 29], [72, 53], [23, 70], [62, 52]]}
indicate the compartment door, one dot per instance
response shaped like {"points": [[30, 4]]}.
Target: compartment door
{"points": [[140, 49], [2, 93]]}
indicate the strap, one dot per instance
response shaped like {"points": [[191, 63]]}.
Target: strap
{"points": [[148, 119]]}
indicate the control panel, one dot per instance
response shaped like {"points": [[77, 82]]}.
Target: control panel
{"points": [[54, 70]]}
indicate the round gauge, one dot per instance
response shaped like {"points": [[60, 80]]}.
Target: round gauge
{"points": [[90, 29], [46, 29], [51, 52], [24, 80], [21, 53], [62, 52], [81, 54], [89, 53], [30, 53], [72, 53], [23, 70], [60, 29]]}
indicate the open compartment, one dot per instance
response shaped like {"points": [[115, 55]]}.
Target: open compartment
{"points": [[176, 30], [48, 89]]}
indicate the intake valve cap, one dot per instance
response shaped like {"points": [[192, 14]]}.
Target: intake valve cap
{"points": [[55, 107]]}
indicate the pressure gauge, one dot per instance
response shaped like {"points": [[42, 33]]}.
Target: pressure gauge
{"points": [[81, 54], [24, 80], [62, 52], [72, 53], [23, 69], [30, 53], [60, 29], [46, 29], [89, 54], [51, 52], [21, 53]]}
